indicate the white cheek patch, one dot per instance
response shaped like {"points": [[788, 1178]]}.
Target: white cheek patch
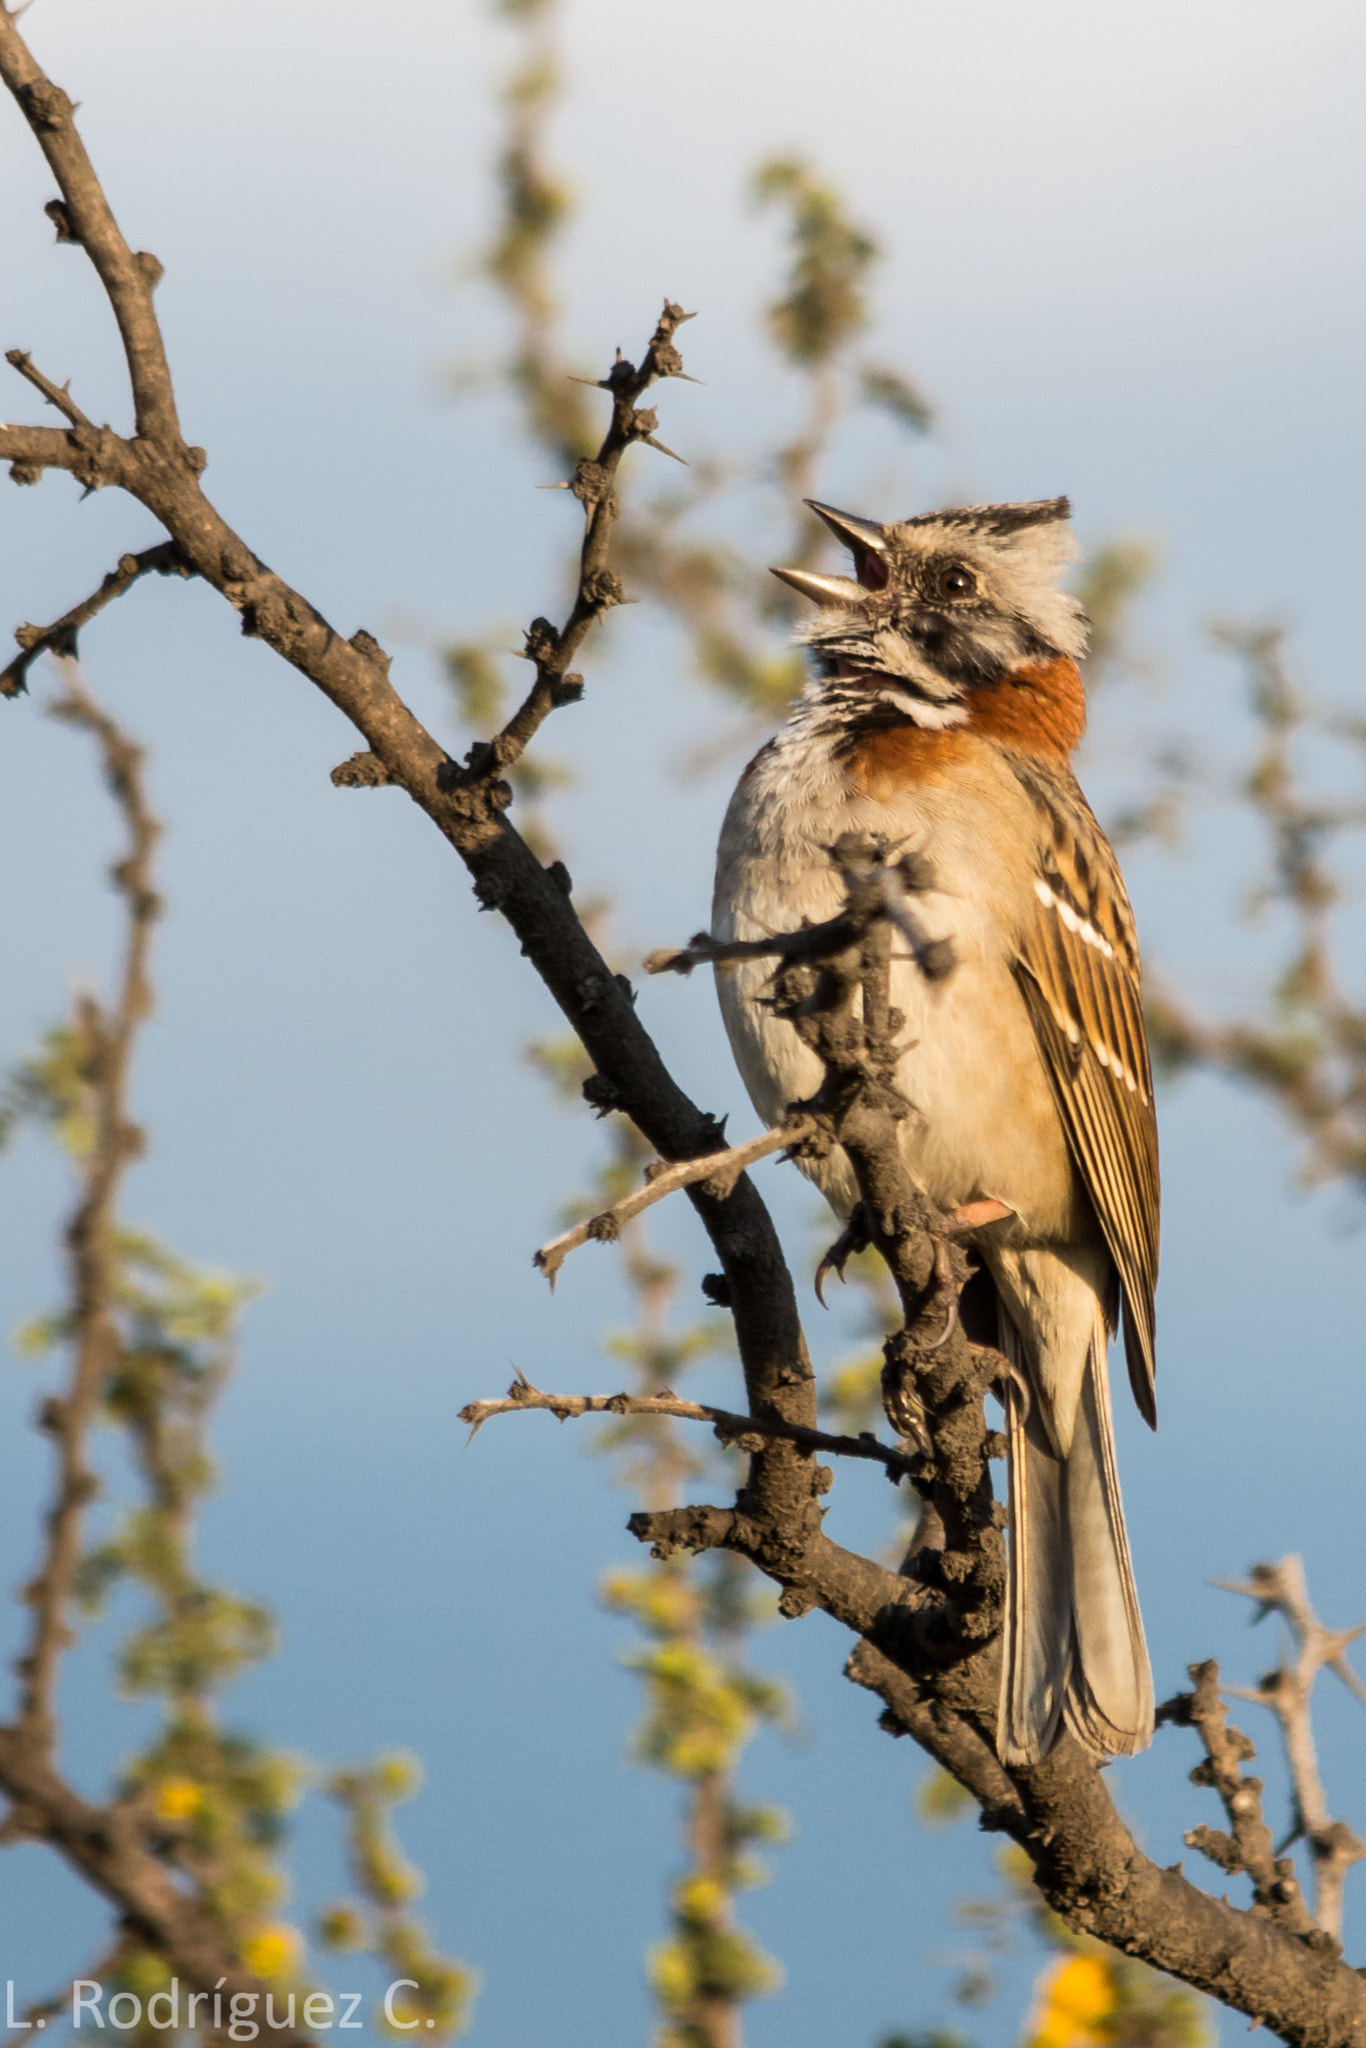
{"points": [[920, 711]]}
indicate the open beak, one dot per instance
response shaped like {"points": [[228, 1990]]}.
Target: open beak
{"points": [[866, 541], [825, 590]]}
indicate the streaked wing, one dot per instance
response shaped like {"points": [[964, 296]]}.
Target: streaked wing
{"points": [[1078, 969]]}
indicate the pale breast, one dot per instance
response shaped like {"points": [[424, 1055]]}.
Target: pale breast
{"points": [[983, 1118]]}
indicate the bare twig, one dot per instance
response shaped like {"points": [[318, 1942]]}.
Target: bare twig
{"points": [[746, 1432], [719, 1170], [60, 638], [128, 279], [56, 394], [1333, 1846], [599, 588]]}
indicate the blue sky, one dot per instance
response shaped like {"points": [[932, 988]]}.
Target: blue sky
{"points": [[1122, 260]]}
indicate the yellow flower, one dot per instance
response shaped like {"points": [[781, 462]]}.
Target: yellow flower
{"points": [[699, 1898], [1074, 1996], [272, 1952], [178, 1798], [671, 1974]]}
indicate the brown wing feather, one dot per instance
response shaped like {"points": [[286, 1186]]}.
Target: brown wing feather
{"points": [[1078, 971]]}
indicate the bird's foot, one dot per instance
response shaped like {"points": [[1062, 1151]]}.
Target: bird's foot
{"points": [[902, 1405], [1004, 1378], [853, 1239]]}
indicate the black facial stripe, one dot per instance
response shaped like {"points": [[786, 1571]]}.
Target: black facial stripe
{"points": [[963, 645], [949, 642]]}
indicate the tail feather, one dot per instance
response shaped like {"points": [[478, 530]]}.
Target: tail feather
{"points": [[1074, 1645]]}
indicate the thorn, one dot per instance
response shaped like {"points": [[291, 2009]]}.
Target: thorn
{"points": [[593, 383], [550, 1267], [1343, 1670], [682, 377], [650, 442], [552, 487]]}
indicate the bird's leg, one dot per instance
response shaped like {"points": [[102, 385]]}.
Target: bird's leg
{"points": [[944, 1233], [853, 1239]]}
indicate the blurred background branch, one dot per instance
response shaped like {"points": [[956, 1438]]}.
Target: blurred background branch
{"points": [[194, 1829]]}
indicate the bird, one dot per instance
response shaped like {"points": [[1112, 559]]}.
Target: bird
{"points": [[941, 714]]}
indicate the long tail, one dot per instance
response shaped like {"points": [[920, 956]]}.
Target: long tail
{"points": [[1074, 1647]]}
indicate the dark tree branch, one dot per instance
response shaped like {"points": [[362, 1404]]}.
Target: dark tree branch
{"points": [[60, 638]]}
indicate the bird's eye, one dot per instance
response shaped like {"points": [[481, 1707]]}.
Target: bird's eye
{"points": [[955, 581]]}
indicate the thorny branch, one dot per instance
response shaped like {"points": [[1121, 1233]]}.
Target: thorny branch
{"points": [[60, 638], [599, 587], [1333, 1846], [1248, 1845], [719, 1170], [885, 892], [745, 1432], [56, 394], [932, 1626]]}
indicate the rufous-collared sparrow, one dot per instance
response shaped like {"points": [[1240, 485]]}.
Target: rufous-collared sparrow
{"points": [[944, 709]]}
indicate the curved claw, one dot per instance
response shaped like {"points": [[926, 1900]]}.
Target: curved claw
{"points": [[1009, 1378], [854, 1238], [950, 1325]]}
